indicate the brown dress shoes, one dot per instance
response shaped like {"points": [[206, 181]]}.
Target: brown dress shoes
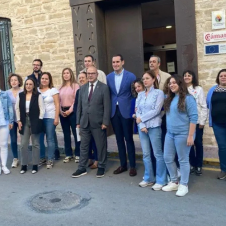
{"points": [[120, 170]]}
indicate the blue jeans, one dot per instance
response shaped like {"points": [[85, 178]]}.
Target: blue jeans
{"points": [[177, 143], [220, 134], [154, 135], [50, 133], [13, 139], [196, 153], [42, 145], [68, 124]]}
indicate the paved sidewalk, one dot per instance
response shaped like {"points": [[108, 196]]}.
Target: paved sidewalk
{"points": [[210, 153]]}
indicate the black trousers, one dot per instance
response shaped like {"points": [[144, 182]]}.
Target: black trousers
{"points": [[123, 129]]}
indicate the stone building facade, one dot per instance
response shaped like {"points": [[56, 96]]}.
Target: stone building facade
{"points": [[43, 29]]}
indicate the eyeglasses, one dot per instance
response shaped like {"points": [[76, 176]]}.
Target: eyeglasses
{"points": [[91, 73], [36, 65]]}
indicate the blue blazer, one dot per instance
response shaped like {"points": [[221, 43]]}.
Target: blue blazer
{"points": [[124, 97]]}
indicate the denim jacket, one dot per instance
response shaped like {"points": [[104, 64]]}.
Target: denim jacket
{"points": [[149, 108], [7, 106]]}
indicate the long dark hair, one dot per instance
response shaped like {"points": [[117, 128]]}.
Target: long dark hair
{"points": [[182, 92], [195, 81], [35, 91], [152, 74], [134, 93]]}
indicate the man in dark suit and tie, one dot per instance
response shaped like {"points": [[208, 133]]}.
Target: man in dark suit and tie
{"points": [[119, 82], [93, 117]]}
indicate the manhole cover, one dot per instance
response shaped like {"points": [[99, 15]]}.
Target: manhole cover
{"points": [[57, 201]]}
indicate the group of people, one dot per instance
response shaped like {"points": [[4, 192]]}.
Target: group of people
{"points": [[168, 112]]}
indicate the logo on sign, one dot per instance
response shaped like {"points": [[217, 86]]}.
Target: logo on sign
{"points": [[218, 18], [207, 37]]}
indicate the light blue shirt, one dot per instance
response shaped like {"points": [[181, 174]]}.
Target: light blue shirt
{"points": [[118, 80], [149, 108], [178, 122], [3, 122]]}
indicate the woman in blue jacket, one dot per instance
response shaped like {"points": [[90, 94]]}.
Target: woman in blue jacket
{"points": [[6, 123], [181, 120], [216, 102]]}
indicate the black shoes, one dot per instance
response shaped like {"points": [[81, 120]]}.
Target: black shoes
{"points": [[34, 169], [198, 171], [222, 175], [23, 169], [79, 173], [100, 172]]}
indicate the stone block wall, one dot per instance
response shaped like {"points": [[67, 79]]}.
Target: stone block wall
{"points": [[208, 66], [41, 29]]}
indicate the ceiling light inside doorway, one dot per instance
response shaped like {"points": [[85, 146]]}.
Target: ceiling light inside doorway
{"points": [[168, 26]]}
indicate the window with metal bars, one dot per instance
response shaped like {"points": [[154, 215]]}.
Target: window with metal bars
{"points": [[6, 53]]}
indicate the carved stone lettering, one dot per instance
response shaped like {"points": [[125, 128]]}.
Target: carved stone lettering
{"points": [[91, 36], [92, 49], [79, 51], [78, 37], [77, 24], [90, 22], [76, 10], [89, 9]]}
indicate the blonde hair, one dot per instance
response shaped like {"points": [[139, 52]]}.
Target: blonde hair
{"points": [[72, 79]]}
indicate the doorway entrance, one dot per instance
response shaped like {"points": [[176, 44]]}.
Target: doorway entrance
{"points": [[159, 34]]}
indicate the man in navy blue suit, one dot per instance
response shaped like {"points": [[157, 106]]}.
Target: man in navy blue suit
{"points": [[119, 82]]}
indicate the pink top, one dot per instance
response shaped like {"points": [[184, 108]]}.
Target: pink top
{"points": [[67, 96]]}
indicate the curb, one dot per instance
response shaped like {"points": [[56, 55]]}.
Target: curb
{"points": [[206, 161]]}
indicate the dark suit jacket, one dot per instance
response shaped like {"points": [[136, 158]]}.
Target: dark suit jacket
{"points": [[98, 110]]}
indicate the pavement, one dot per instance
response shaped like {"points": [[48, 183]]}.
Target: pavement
{"points": [[210, 152], [210, 155], [114, 200]]}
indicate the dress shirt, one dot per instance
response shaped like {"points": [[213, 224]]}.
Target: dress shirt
{"points": [[118, 80], [94, 86]]}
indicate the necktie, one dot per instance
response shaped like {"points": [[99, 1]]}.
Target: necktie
{"points": [[90, 93]]}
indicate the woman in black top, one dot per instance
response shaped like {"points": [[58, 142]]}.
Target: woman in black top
{"points": [[216, 102], [30, 110]]}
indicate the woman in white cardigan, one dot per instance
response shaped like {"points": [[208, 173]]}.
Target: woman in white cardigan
{"points": [[196, 153]]}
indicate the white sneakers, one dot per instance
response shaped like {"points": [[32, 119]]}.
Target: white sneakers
{"points": [[171, 187], [76, 159], [5, 170], [157, 187], [15, 163], [181, 189], [144, 184]]}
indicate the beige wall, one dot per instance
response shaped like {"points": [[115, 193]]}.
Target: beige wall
{"points": [[41, 29], [208, 66]]}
